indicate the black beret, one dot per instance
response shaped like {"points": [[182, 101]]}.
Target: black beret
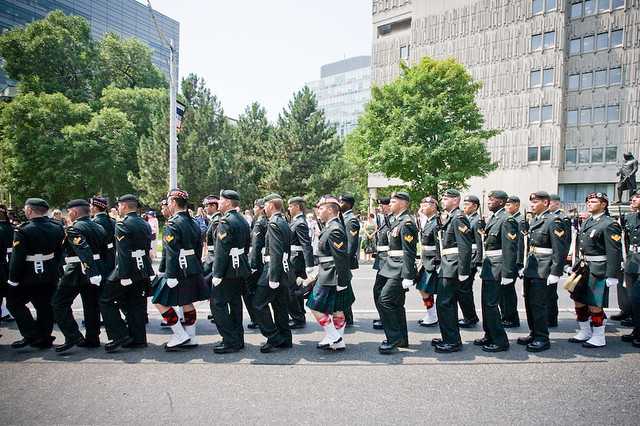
{"points": [[178, 193], [271, 197], [77, 203], [99, 202], [259, 202], [401, 195], [498, 193], [348, 198], [472, 199], [554, 197], [230, 194], [513, 199], [384, 201], [296, 200], [540, 195], [36, 202], [451, 193], [128, 198]]}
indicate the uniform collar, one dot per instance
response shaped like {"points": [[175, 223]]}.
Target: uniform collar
{"points": [[597, 217], [401, 213], [298, 215], [101, 213], [337, 218], [472, 214], [347, 212], [542, 214], [82, 219]]}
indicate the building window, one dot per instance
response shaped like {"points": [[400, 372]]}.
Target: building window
{"points": [[404, 52], [550, 39], [576, 193], [576, 10], [547, 77], [611, 154], [597, 155], [599, 114], [603, 5], [617, 4], [535, 78], [534, 114], [537, 6], [547, 113], [589, 7], [532, 153], [583, 156], [613, 113], [587, 44], [550, 5], [616, 38], [572, 117], [600, 78], [574, 82], [545, 153], [587, 80], [536, 42], [615, 76], [602, 41], [574, 47], [585, 116], [570, 156]]}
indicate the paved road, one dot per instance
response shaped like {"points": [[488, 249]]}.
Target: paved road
{"points": [[565, 384]]}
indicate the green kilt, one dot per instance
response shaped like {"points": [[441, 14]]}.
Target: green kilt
{"points": [[593, 292], [428, 282], [322, 299], [344, 299], [189, 290]]}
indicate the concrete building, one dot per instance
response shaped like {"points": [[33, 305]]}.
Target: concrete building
{"points": [[343, 90], [127, 18], [560, 78]]}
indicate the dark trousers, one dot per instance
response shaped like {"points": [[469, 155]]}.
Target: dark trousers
{"points": [[633, 291], [132, 300], [40, 296], [464, 293], [275, 328], [535, 302], [62, 301], [249, 293], [624, 299], [227, 311], [392, 311], [552, 304], [377, 289], [509, 303], [296, 302], [491, 315], [447, 307]]}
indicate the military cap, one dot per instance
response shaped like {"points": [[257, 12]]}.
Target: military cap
{"points": [[401, 195], [77, 203], [99, 202], [128, 198], [429, 199], [472, 199], [259, 203], [37, 202], [271, 197], [299, 200], [384, 201], [328, 199], [348, 198], [164, 202], [210, 199], [178, 193], [554, 197], [451, 193], [634, 194], [513, 199], [230, 194], [598, 195], [498, 193], [539, 195]]}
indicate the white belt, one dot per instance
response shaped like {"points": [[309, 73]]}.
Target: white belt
{"points": [[474, 247], [189, 252], [266, 259], [595, 258], [296, 248], [325, 259], [9, 250], [452, 250], [182, 258], [138, 255], [75, 259], [211, 249], [380, 249], [541, 250], [428, 248], [493, 253], [110, 245], [396, 253], [38, 261], [632, 249], [235, 254]]}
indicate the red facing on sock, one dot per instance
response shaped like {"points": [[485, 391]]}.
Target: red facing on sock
{"points": [[582, 313], [324, 320], [338, 321], [597, 319], [428, 301], [170, 317], [190, 317]]}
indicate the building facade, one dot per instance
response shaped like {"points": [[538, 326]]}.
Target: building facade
{"points": [[560, 79], [343, 90], [127, 18]]}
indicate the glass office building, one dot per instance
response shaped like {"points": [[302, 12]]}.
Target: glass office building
{"points": [[127, 18]]}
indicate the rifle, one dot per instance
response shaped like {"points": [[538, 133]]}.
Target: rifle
{"points": [[482, 224], [525, 234], [580, 270], [622, 222]]}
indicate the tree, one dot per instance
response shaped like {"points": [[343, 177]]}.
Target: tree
{"points": [[424, 128], [137, 104]]}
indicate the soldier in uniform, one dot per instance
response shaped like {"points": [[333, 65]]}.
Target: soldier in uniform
{"points": [[469, 319], [6, 241], [552, 289], [499, 267], [128, 283], [600, 247], [85, 247], [400, 272], [382, 247], [99, 206], [632, 267], [275, 281], [34, 271], [301, 259], [352, 225], [180, 281], [230, 272], [543, 266], [508, 296], [258, 236], [332, 290], [429, 259], [210, 204], [455, 268]]}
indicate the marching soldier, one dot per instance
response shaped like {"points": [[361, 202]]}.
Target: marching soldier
{"points": [[382, 248], [508, 296], [429, 258], [180, 281], [543, 266], [552, 289], [258, 236], [6, 241], [400, 272], [470, 318], [230, 272], [84, 249], [301, 259], [600, 247], [99, 206], [33, 274], [352, 225], [128, 283], [210, 204], [332, 290], [632, 267], [457, 238], [275, 281], [499, 267]]}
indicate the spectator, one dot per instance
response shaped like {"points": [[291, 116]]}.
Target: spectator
{"points": [[369, 241], [202, 221]]}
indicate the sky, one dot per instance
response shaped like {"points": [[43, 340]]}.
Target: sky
{"points": [[265, 50]]}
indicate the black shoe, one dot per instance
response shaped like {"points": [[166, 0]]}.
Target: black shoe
{"points": [[43, 343], [22, 343], [538, 346], [436, 341], [482, 342], [626, 323], [267, 348], [226, 349], [68, 344], [629, 337], [387, 348], [89, 343], [294, 325], [377, 325], [209, 317], [135, 345], [424, 324], [494, 348], [252, 326], [327, 345], [510, 324], [7, 318], [525, 340], [447, 348], [115, 344], [163, 324], [619, 316], [285, 345], [468, 323]]}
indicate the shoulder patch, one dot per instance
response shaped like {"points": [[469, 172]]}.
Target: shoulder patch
{"points": [[338, 245], [616, 237], [463, 228], [512, 236], [222, 235], [408, 238], [169, 238], [354, 233], [77, 240], [275, 225], [559, 232], [120, 238], [16, 242]]}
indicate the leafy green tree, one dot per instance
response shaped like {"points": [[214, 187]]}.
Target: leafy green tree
{"points": [[137, 104], [425, 128]]}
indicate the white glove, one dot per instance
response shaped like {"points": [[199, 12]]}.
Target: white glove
{"points": [[568, 269], [216, 281], [126, 282], [341, 288], [300, 281], [274, 284], [172, 282], [521, 273], [612, 282], [506, 281], [95, 280], [553, 279], [12, 284], [152, 277], [253, 271], [407, 284], [463, 277], [312, 272]]}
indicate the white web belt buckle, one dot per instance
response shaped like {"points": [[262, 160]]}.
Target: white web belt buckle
{"points": [[285, 262], [138, 255], [38, 261], [182, 259], [235, 256]]}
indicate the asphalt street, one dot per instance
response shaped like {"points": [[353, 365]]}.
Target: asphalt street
{"points": [[567, 384]]}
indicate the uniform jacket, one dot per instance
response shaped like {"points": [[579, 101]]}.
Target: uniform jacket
{"points": [[301, 260], [232, 233], [546, 231], [632, 241], [476, 248], [84, 239], [456, 232], [333, 243], [501, 233], [521, 229], [403, 237], [181, 233], [278, 244], [430, 258], [133, 236], [382, 239], [6, 242], [353, 236], [109, 251], [601, 236], [258, 235]]}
